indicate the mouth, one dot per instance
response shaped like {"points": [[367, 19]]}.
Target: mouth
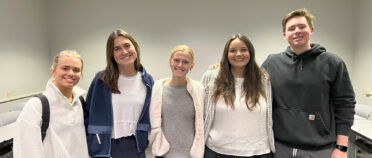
{"points": [[126, 57], [70, 80], [298, 38], [239, 59], [179, 70]]}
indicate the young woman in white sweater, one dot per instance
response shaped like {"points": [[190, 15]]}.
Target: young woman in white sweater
{"points": [[176, 112], [237, 109], [65, 136]]}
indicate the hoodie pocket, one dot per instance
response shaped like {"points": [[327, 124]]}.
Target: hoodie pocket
{"points": [[142, 133], [99, 139], [301, 127]]}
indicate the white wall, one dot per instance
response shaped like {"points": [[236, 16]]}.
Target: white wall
{"points": [[23, 48], [204, 25], [31, 33], [362, 65]]}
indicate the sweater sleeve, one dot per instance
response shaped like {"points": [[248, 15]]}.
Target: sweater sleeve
{"points": [[343, 100], [27, 137], [157, 141], [206, 79]]}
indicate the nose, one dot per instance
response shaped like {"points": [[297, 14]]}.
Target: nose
{"points": [[297, 29], [122, 50], [238, 53], [70, 72], [179, 64]]}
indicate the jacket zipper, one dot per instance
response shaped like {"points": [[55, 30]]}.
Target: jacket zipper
{"points": [[98, 139]]}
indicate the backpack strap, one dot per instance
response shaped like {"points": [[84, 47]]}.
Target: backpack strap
{"points": [[82, 101], [45, 115]]}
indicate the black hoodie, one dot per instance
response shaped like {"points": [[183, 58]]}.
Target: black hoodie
{"points": [[313, 99]]}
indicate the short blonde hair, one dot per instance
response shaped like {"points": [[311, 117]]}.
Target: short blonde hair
{"points": [[299, 12], [183, 48], [68, 53]]}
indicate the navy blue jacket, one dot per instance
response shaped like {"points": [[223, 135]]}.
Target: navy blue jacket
{"points": [[98, 117]]}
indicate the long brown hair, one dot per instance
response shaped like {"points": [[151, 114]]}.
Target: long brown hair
{"points": [[224, 85], [111, 74]]}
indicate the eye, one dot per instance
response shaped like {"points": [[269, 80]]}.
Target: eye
{"points": [[116, 48], [232, 51], [77, 70], [244, 50], [127, 45], [302, 26], [65, 68], [291, 28], [176, 60], [185, 62]]}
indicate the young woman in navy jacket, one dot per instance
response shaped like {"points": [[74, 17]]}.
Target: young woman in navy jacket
{"points": [[117, 108]]}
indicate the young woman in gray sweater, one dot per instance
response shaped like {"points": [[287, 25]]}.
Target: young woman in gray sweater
{"points": [[176, 112]]}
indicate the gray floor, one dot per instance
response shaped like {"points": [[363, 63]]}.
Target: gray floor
{"points": [[8, 155], [362, 154]]}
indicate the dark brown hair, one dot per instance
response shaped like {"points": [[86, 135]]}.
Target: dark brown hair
{"points": [[111, 74], [225, 82]]}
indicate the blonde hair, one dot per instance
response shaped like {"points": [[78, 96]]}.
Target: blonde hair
{"points": [[67, 53], [299, 12], [183, 48]]}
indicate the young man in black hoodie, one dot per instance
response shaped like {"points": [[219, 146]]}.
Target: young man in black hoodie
{"points": [[313, 99]]}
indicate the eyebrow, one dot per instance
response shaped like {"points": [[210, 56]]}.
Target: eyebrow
{"points": [[123, 43]]}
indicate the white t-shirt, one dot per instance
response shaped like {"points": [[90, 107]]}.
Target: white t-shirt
{"points": [[239, 132], [127, 106]]}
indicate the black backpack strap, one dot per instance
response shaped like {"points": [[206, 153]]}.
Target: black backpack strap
{"points": [[82, 101], [45, 115], [6, 147]]}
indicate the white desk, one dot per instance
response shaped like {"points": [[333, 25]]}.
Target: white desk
{"points": [[6, 132], [361, 128]]}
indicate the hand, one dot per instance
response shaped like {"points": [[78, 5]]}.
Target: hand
{"points": [[214, 67], [338, 154]]}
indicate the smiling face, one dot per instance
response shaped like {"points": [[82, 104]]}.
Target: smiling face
{"points": [[238, 54], [298, 33], [181, 63], [124, 52], [67, 72]]}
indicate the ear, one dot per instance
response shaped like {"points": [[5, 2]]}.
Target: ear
{"points": [[192, 66], [284, 36], [312, 30], [52, 71]]}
